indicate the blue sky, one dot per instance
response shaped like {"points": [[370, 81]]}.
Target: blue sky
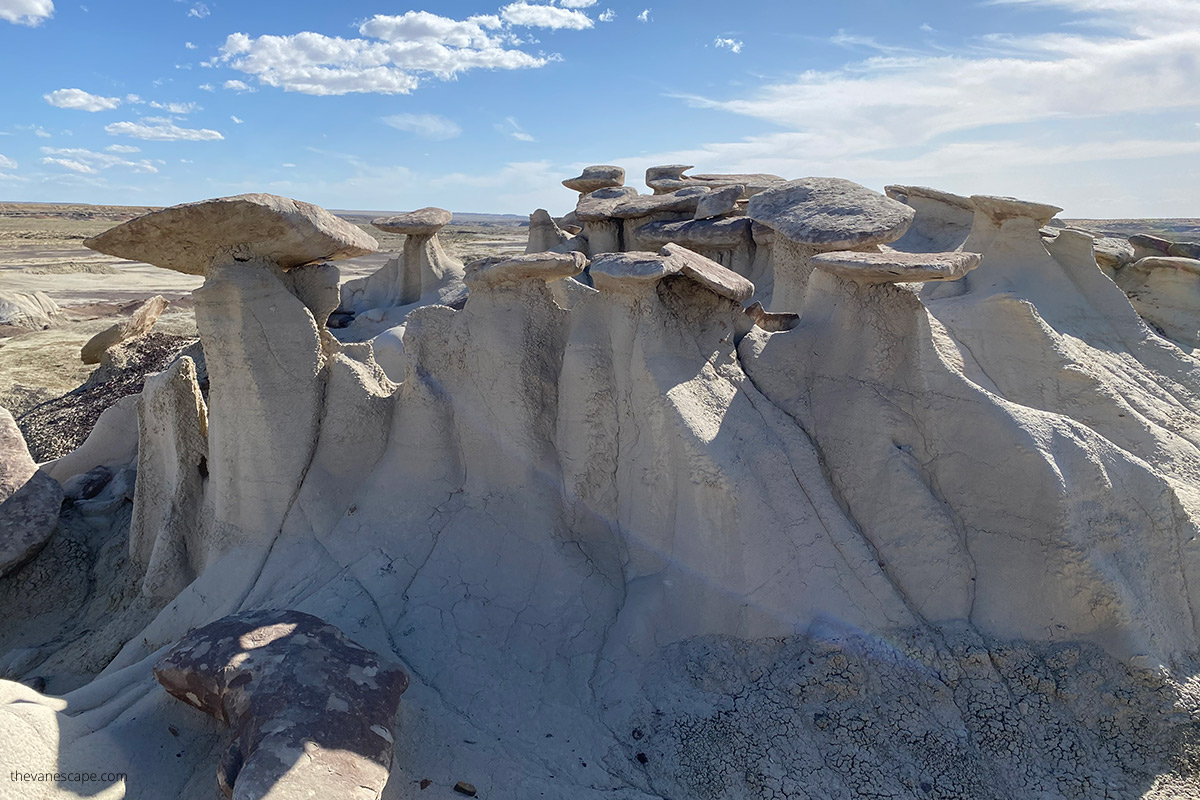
{"points": [[1093, 105]]}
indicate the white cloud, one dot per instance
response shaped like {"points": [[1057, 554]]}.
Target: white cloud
{"points": [[577, 3], [237, 86], [926, 27], [199, 11], [90, 162], [41, 133], [733, 44], [26, 12], [237, 120], [177, 108], [123, 148], [6, 162], [608, 15], [427, 126], [512, 128], [206, 87], [161, 129], [644, 16], [81, 100], [189, 45], [397, 50], [288, 166], [533, 16], [133, 98]]}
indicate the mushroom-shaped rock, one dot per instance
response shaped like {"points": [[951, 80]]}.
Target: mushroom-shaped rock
{"points": [[194, 237], [599, 176], [498, 270], [643, 205], [666, 177], [29, 500], [813, 215], [312, 712], [896, 267], [630, 271], [710, 274], [139, 323], [719, 202], [422, 222]]}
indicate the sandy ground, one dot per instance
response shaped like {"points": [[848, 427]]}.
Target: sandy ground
{"points": [[41, 249]]}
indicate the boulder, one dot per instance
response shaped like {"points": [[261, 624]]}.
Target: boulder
{"points": [[193, 237], [598, 205], [312, 712], [831, 213], [719, 202], [631, 271], [684, 200], [600, 176], [896, 267], [29, 500], [139, 323]]}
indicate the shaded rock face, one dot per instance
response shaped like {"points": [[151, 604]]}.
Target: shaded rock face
{"points": [[29, 500], [28, 311], [831, 213], [311, 712]]}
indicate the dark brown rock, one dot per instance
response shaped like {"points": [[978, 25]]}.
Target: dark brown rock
{"points": [[311, 711]]}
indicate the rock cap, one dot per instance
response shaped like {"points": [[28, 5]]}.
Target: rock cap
{"points": [[545, 266], [723, 232], [1167, 262], [896, 267], [709, 273], [720, 201], [599, 176], [422, 222], [192, 237], [902, 193], [831, 213], [999, 209], [599, 205]]}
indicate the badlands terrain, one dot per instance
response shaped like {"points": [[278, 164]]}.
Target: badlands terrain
{"points": [[741, 487]]}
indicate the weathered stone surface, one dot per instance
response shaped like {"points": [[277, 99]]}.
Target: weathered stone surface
{"points": [[719, 202], [710, 274], [725, 232], [544, 233], [684, 200], [999, 209], [1167, 262], [422, 222], [540, 266], [831, 213], [896, 267], [905, 194], [770, 321], [599, 205], [600, 176], [311, 711], [1184, 250], [35, 311], [1112, 253], [29, 500], [670, 177], [192, 237], [635, 270], [139, 323], [1145, 245]]}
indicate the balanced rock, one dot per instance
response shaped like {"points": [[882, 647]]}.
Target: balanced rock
{"points": [[422, 222], [138, 324], [709, 273], [599, 205], [831, 213], [998, 209], [643, 205], [193, 237], [311, 711], [670, 177], [1145, 245], [29, 500], [896, 267], [600, 176]]}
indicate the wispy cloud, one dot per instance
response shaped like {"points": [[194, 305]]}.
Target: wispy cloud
{"points": [[536, 16], [644, 16], [608, 15], [161, 129], [732, 44], [199, 11], [89, 162], [177, 108], [6, 162], [427, 126], [81, 100], [510, 127]]}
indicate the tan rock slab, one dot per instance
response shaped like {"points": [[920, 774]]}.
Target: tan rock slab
{"points": [[999, 209], [543, 266], [896, 267], [710, 274], [422, 222], [599, 176], [192, 237], [138, 324]]}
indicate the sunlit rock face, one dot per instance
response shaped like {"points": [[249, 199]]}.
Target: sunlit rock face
{"points": [[919, 523]]}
